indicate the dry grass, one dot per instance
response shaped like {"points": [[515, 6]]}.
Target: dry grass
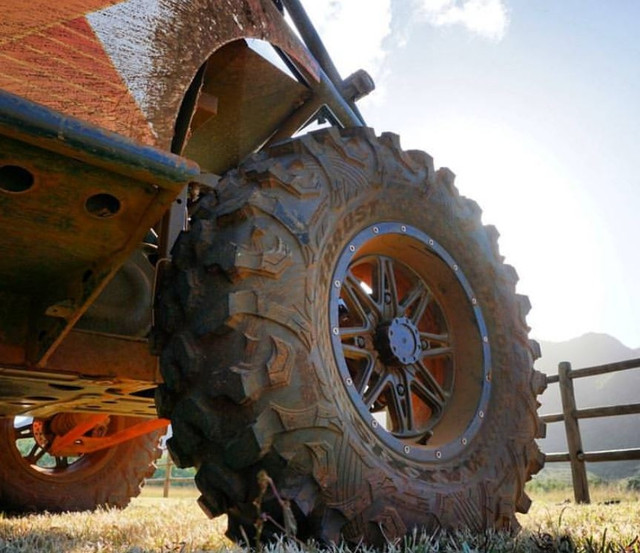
{"points": [[152, 524], [148, 524]]}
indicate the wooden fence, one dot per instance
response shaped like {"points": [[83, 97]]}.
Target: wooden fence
{"points": [[168, 478], [571, 414]]}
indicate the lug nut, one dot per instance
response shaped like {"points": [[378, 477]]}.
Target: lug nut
{"points": [[360, 342]]}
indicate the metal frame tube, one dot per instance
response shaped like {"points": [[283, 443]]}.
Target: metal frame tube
{"points": [[313, 42]]}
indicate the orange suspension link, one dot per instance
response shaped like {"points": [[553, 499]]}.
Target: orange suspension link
{"points": [[75, 443]]}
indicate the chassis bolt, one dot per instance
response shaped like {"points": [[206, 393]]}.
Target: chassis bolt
{"points": [[407, 449]]}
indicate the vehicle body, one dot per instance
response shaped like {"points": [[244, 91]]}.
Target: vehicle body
{"points": [[101, 99]]}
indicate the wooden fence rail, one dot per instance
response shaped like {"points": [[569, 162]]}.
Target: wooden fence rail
{"points": [[571, 414], [168, 477]]}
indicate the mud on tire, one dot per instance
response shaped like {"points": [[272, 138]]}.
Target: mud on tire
{"points": [[33, 481], [411, 403]]}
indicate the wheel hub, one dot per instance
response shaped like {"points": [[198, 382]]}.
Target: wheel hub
{"points": [[398, 342]]}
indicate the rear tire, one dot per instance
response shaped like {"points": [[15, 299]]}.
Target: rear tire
{"points": [[263, 368], [32, 481]]}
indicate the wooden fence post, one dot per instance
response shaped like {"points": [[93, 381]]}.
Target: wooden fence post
{"points": [[574, 440], [167, 477]]}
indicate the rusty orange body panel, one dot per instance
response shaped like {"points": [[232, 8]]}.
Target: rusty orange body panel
{"points": [[125, 66]]}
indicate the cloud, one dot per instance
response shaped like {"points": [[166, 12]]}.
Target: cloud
{"points": [[487, 18], [353, 31]]}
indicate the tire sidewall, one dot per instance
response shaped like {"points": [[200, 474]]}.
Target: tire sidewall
{"points": [[435, 214]]}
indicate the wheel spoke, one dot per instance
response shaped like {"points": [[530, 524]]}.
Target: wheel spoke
{"points": [[421, 302], [62, 462], [362, 302], [35, 454], [402, 408], [427, 396], [384, 281], [354, 352], [373, 393], [365, 378], [440, 339], [416, 291], [352, 331], [428, 387], [435, 352], [390, 288], [22, 432]]}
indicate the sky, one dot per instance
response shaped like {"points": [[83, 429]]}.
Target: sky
{"points": [[535, 106]]}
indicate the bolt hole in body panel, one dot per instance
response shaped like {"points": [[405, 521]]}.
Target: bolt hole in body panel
{"points": [[15, 179], [102, 205]]}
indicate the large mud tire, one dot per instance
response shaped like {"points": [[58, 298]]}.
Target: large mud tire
{"points": [[258, 373], [107, 478]]}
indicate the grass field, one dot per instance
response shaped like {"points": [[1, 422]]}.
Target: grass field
{"points": [[176, 524]]}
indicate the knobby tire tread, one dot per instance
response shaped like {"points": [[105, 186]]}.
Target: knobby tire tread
{"points": [[246, 363]]}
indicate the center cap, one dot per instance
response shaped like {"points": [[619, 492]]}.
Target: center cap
{"points": [[400, 341]]}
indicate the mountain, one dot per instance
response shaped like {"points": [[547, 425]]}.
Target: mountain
{"points": [[617, 388]]}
